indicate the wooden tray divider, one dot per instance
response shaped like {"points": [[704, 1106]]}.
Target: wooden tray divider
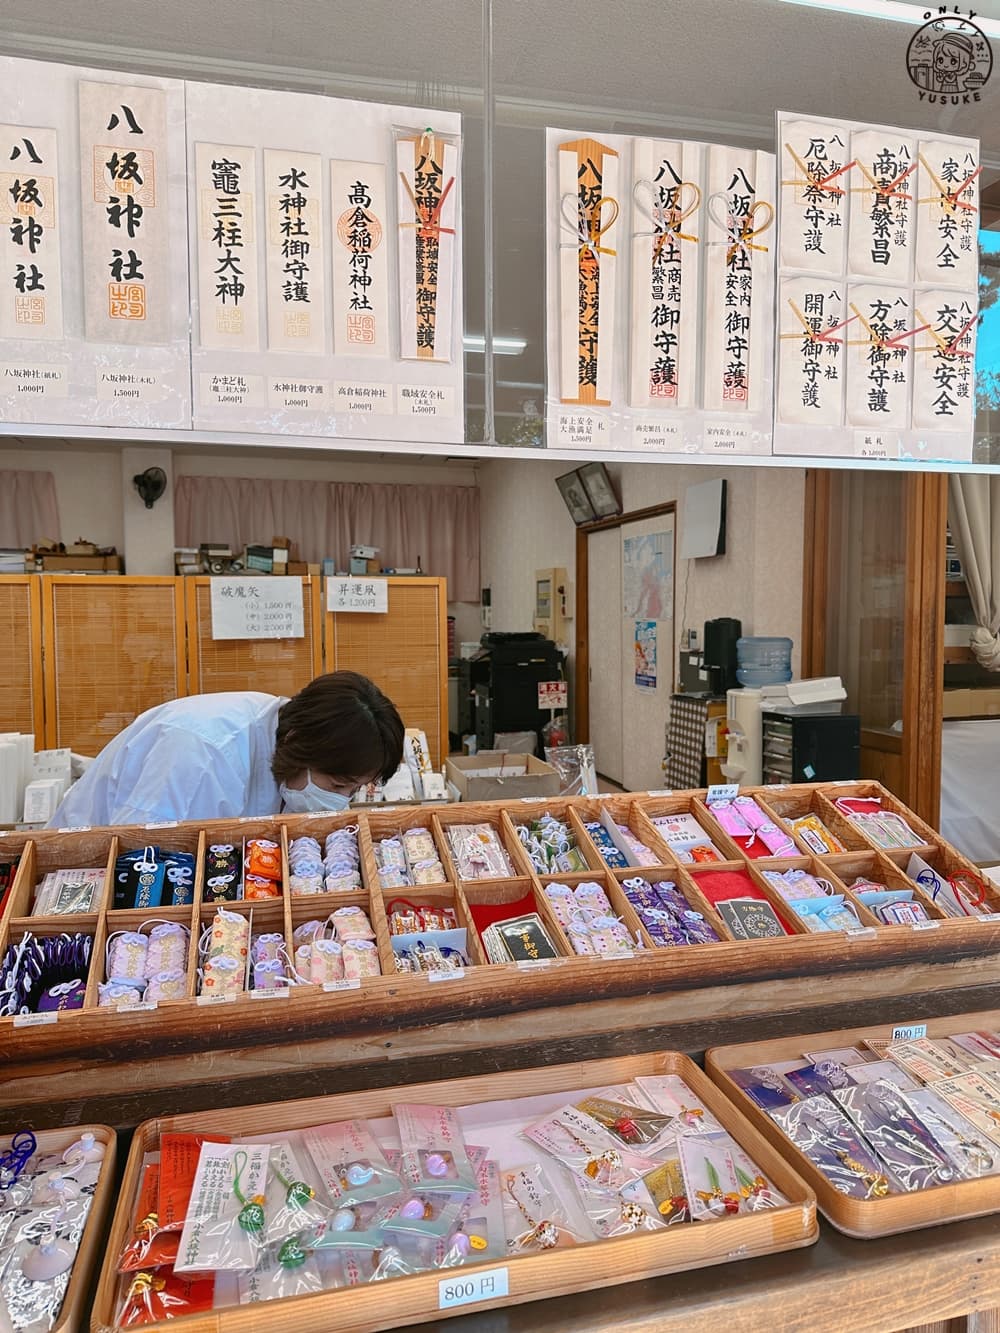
{"points": [[827, 796], [686, 886], [477, 954], [864, 1219], [480, 812], [72, 1317], [416, 1298], [496, 891], [949, 862], [22, 890], [816, 868], [882, 870], [623, 811], [566, 810], [787, 803]]}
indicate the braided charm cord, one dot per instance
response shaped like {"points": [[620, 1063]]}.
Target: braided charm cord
{"points": [[251, 1215]]}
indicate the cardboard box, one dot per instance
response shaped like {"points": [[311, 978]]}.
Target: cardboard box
{"points": [[476, 777], [81, 564]]}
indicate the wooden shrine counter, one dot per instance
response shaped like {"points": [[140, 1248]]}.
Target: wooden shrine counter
{"points": [[120, 1067]]}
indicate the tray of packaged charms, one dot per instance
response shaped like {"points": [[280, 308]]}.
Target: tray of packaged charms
{"points": [[370, 1210], [894, 1127], [56, 1195], [383, 901]]}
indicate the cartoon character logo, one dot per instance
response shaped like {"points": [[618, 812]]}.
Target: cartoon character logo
{"points": [[949, 59]]}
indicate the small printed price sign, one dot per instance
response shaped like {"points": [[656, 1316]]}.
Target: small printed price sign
{"points": [[552, 694]]}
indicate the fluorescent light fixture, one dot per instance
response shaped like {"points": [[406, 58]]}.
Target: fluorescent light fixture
{"points": [[895, 11], [475, 342]]}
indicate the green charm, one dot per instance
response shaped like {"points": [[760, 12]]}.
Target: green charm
{"points": [[299, 1194], [291, 1254], [251, 1217]]}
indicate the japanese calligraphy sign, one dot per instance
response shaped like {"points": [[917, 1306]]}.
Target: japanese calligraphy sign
{"points": [[589, 206], [370, 595], [296, 286], [739, 264], [360, 259], [227, 256], [667, 239], [814, 165], [899, 305], [31, 278], [879, 356], [126, 239], [811, 336], [948, 214], [427, 198], [944, 361], [883, 191], [265, 608]]}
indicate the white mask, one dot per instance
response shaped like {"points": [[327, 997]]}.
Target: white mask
{"points": [[310, 797]]}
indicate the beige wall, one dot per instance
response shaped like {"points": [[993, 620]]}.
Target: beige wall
{"points": [[88, 490], [525, 526]]}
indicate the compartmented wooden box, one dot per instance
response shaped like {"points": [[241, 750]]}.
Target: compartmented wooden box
{"points": [[864, 1219], [530, 1276], [563, 1000], [72, 1317]]}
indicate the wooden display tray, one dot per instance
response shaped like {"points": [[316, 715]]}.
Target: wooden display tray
{"points": [[863, 1219], [567, 1009], [417, 1299], [73, 1315]]}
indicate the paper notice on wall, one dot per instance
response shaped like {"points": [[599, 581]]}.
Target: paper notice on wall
{"points": [[31, 276], [266, 608], [360, 259]]}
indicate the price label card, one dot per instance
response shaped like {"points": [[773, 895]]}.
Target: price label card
{"points": [[723, 791], [926, 925], [166, 823], [75, 828], [532, 964], [34, 1020], [144, 1007], [215, 999], [368, 594], [909, 1032], [489, 1285], [861, 933], [447, 976], [279, 993], [351, 983], [264, 608]]}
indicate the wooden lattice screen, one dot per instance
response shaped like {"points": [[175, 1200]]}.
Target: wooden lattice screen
{"points": [[21, 694], [114, 647], [273, 666], [404, 652]]}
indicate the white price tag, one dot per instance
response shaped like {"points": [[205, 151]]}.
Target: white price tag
{"points": [[446, 976], [861, 933], [662, 791], [75, 828], [350, 983], [144, 1007], [723, 791], [926, 925], [165, 823], [216, 999], [533, 800], [990, 916], [279, 993], [489, 1285], [531, 964], [34, 1020], [909, 1032]]}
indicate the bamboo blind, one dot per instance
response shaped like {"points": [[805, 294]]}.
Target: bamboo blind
{"points": [[114, 647], [274, 666], [21, 695], [405, 653]]}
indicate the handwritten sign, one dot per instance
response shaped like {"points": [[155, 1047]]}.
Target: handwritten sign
{"points": [[265, 608], [363, 594], [552, 694]]}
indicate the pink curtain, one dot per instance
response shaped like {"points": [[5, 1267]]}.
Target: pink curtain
{"points": [[437, 525], [28, 509]]}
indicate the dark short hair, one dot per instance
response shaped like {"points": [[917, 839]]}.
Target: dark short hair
{"points": [[342, 725]]}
